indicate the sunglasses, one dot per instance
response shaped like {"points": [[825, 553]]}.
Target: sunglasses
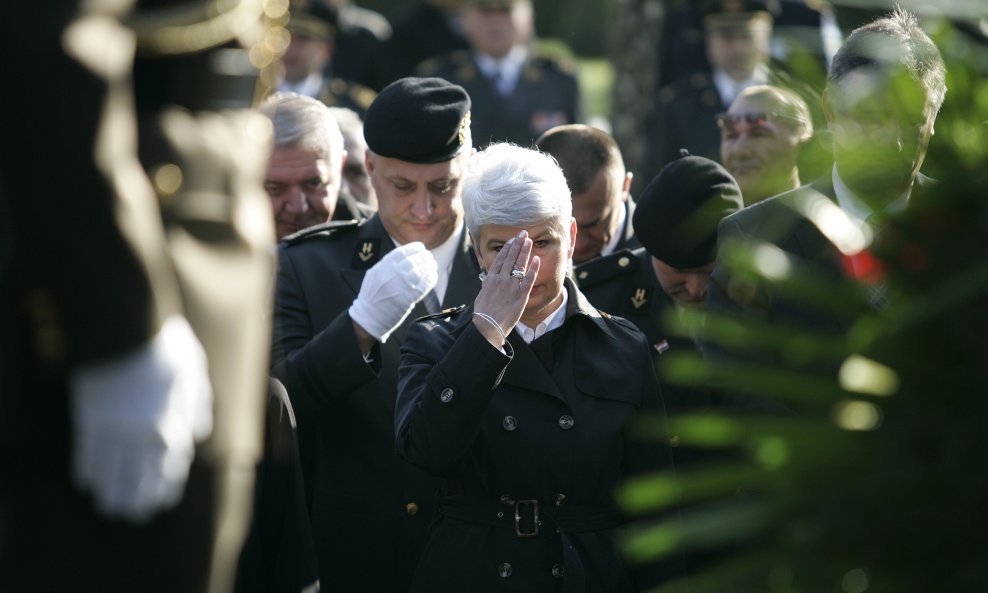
{"points": [[730, 121]]}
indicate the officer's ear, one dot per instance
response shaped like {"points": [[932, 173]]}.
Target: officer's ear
{"points": [[368, 162]]}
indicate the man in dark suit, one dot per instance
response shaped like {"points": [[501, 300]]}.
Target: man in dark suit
{"points": [[304, 179], [133, 297], [600, 186], [517, 95], [736, 37], [885, 87], [346, 293]]}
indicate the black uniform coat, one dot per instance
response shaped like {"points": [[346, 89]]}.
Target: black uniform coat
{"points": [[624, 283], [547, 95], [503, 428], [369, 508]]}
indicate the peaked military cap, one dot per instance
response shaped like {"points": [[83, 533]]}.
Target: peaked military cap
{"points": [[677, 215], [730, 15], [311, 19], [419, 120]]}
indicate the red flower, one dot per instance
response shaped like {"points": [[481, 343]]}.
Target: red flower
{"points": [[864, 267]]}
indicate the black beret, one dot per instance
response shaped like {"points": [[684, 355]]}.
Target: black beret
{"points": [[419, 120], [677, 215]]}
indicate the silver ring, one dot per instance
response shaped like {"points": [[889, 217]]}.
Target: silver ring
{"points": [[517, 274]]}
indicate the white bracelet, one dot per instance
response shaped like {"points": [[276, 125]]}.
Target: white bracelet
{"points": [[493, 322]]}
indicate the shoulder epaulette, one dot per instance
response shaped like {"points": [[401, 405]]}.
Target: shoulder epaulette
{"points": [[604, 268], [450, 312], [326, 229]]}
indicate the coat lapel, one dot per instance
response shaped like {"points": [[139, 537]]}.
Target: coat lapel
{"points": [[527, 372]]}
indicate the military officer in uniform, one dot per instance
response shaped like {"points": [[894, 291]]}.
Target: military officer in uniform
{"points": [[134, 273], [345, 295], [677, 215], [521, 400], [307, 60], [304, 180], [736, 37], [517, 95], [600, 186]]}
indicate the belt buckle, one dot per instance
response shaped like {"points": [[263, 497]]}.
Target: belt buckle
{"points": [[535, 518]]}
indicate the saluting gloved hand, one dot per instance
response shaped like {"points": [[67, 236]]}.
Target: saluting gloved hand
{"points": [[136, 421], [392, 287]]}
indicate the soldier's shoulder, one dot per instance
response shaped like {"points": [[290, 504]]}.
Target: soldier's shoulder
{"points": [[333, 230], [445, 64], [450, 318], [338, 92], [554, 62], [686, 88], [607, 267]]}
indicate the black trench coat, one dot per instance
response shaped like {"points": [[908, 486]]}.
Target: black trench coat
{"points": [[503, 429]]}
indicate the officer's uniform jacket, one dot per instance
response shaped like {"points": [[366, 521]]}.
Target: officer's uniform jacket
{"points": [[369, 508], [536, 425], [547, 95], [624, 283]]}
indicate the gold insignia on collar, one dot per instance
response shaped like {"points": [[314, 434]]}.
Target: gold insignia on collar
{"points": [[366, 251], [464, 128], [639, 299]]}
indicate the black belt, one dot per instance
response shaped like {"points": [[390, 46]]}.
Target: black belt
{"points": [[525, 516]]}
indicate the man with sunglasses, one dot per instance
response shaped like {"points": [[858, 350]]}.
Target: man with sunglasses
{"points": [[885, 87], [761, 137]]}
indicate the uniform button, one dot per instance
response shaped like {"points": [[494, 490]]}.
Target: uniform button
{"points": [[507, 500], [509, 423], [624, 262], [583, 275], [504, 570], [411, 508], [566, 422], [558, 499], [446, 395], [558, 571]]}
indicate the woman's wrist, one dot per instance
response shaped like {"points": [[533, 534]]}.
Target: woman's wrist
{"points": [[490, 329]]}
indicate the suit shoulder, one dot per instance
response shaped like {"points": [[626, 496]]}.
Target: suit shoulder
{"points": [[446, 64], [332, 230], [607, 267], [685, 89]]}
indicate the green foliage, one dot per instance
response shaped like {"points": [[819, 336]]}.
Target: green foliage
{"points": [[877, 484]]}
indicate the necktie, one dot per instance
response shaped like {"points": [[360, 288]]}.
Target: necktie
{"points": [[431, 302]]}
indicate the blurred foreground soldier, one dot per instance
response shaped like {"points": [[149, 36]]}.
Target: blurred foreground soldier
{"points": [[305, 172], [356, 180], [522, 401], [306, 60], [677, 215], [155, 271], [885, 88], [761, 136], [346, 293], [594, 170], [736, 37], [517, 95]]}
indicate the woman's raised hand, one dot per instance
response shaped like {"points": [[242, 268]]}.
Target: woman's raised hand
{"points": [[504, 292]]}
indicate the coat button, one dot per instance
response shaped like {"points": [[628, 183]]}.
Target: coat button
{"points": [[558, 571], [446, 395], [507, 500], [509, 423], [504, 570], [558, 499], [411, 508], [566, 422]]}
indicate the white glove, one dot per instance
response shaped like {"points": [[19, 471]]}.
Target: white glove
{"points": [[392, 287], [136, 421]]}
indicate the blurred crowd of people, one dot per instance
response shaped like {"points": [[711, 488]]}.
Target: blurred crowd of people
{"points": [[419, 364]]}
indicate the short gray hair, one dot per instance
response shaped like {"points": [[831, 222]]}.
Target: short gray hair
{"points": [[517, 187], [304, 122], [894, 39]]}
